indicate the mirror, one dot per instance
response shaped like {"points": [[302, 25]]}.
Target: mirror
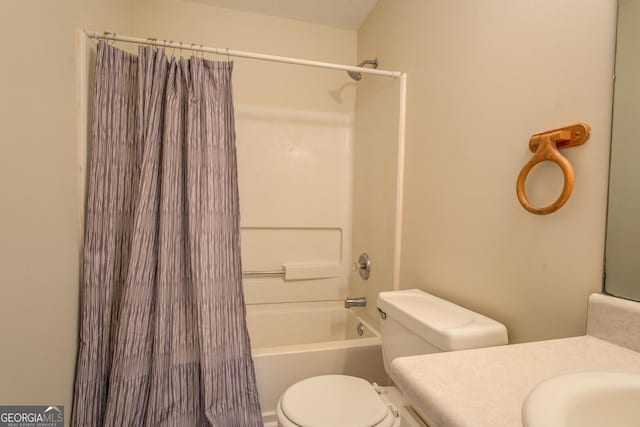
{"points": [[622, 256]]}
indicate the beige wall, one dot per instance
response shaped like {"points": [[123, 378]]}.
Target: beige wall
{"points": [[40, 227], [484, 76]]}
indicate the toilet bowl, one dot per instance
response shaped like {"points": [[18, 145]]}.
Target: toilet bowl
{"points": [[412, 322]]}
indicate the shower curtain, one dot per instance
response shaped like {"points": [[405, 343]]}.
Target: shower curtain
{"points": [[163, 338]]}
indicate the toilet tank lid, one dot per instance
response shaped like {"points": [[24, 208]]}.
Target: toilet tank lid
{"points": [[441, 323]]}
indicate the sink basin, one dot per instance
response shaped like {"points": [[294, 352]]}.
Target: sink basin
{"points": [[589, 399]]}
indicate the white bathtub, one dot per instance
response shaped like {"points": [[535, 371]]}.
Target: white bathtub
{"points": [[294, 341]]}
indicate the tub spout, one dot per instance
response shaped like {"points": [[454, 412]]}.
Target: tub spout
{"points": [[355, 302]]}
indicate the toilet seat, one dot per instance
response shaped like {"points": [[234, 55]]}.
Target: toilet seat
{"points": [[333, 401]]}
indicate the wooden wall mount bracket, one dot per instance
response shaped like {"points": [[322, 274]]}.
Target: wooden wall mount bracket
{"points": [[545, 146], [566, 137]]}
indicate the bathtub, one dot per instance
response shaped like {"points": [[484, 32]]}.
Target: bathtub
{"points": [[293, 341]]}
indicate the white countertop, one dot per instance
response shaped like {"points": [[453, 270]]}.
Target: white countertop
{"points": [[486, 387]]}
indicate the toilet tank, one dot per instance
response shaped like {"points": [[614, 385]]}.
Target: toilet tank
{"points": [[414, 322]]}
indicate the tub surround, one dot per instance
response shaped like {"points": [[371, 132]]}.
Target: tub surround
{"points": [[486, 387]]}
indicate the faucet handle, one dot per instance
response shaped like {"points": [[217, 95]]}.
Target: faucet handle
{"points": [[363, 266]]}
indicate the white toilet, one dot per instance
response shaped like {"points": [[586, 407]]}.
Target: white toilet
{"points": [[412, 322]]}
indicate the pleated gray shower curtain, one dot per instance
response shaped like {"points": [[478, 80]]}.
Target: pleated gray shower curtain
{"points": [[163, 337]]}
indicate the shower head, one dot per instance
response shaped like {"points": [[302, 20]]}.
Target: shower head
{"points": [[358, 76]]}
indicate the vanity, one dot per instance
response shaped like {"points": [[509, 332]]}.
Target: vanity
{"points": [[488, 387]]}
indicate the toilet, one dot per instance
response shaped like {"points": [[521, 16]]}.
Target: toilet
{"points": [[412, 322]]}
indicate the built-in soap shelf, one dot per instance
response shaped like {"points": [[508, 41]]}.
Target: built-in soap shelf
{"points": [[292, 254], [299, 271]]}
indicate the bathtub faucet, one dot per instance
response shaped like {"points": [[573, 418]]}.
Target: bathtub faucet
{"points": [[355, 302]]}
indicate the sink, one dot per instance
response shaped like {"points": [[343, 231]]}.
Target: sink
{"points": [[588, 399]]}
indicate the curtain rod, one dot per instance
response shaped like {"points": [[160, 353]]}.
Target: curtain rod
{"points": [[238, 53]]}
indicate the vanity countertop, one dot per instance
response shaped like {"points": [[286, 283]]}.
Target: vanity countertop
{"points": [[486, 387]]}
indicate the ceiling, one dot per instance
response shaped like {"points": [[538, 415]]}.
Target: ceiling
{"points": [[347, 14]]}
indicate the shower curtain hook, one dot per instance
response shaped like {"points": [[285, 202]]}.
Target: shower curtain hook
{"points": [[173, 49], [202, 50], [106, 38], [228, 57], [181, 49]]}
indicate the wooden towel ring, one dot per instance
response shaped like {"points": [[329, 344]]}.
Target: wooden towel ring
{"points": [[545, 146]]}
